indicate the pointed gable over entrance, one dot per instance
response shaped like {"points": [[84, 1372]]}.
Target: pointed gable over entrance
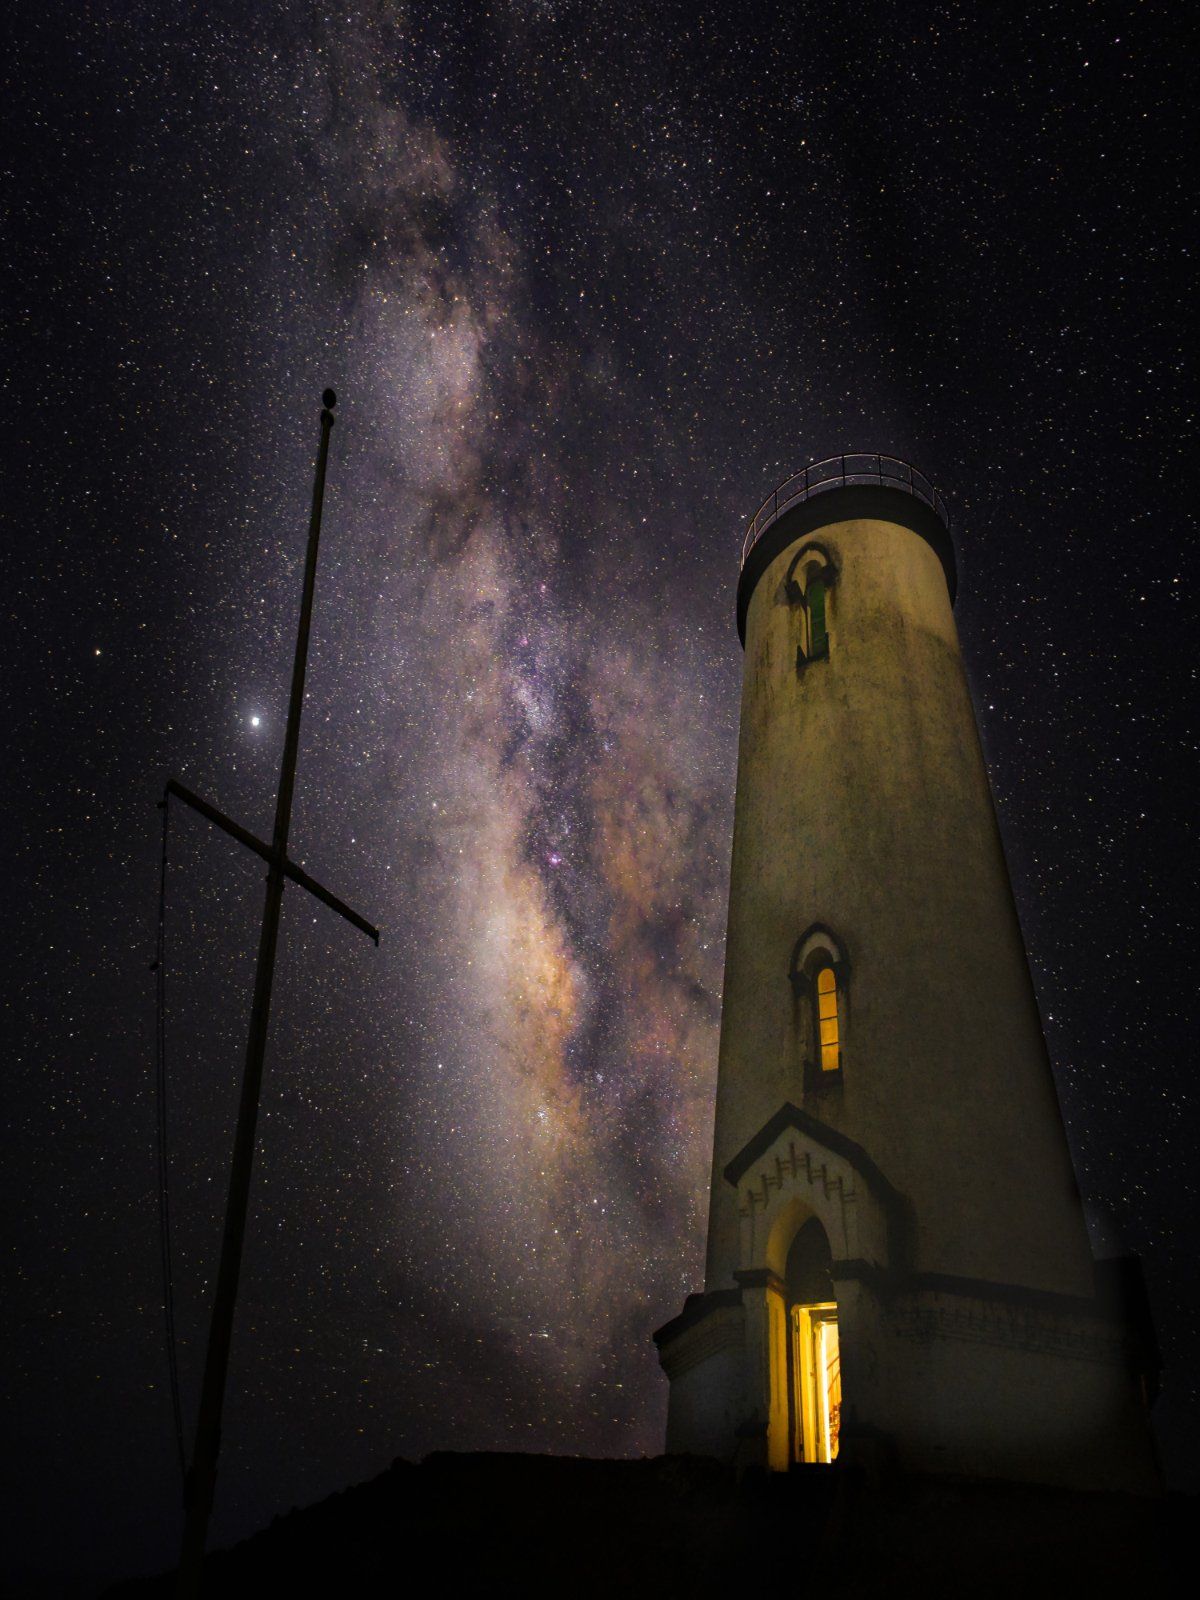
{"points": [[796, 1167]]}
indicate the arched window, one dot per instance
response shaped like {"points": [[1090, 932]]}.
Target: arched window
{"points": [[820, 982], [808, 582], [827, 1020]]}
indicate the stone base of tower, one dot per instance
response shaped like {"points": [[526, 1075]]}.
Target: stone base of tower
{"points": [[924, 1372], [971, 1381]]}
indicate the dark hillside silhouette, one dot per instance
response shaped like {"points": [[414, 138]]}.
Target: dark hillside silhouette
{"points": [[674, 1526]]}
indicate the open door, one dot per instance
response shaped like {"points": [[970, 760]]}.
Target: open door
{"points": [[816, 1382], [815, 1368]]}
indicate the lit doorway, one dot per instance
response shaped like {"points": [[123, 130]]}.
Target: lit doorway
{"points": [[816, 1383], [814, 1368]]}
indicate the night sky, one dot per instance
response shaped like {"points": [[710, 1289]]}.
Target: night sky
{"points": [[589, 280]]}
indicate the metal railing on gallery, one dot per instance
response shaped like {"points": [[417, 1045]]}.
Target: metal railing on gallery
{"points": [[837, 472]]}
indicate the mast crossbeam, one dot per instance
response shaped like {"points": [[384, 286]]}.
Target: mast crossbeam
{"points": [[290, 869]]}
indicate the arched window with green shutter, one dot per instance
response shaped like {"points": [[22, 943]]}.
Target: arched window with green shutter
{"points": [[809, 579]]}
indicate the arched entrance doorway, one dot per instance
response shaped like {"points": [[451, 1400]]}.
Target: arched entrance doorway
{"points": [[813, 1350]]}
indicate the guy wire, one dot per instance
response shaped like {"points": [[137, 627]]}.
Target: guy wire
{"points": [[164, 1198]]}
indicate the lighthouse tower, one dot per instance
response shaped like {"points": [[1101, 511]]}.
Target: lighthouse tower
{"points": [[898, 1270]]}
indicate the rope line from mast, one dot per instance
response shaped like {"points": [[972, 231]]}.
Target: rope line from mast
{"points": [[164, 1168]]}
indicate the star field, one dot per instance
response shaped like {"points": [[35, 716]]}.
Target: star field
{"points": [[589, 280]]}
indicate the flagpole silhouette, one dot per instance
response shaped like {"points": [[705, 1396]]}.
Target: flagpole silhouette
{"points": [[201, 1477]]}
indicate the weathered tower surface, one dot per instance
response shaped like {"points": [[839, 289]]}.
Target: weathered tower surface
{"points": [[898, 1267]]}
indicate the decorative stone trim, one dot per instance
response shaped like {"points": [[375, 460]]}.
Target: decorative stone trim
{"points": [[760, 1278], [796, 1161], [1016, 1324], [695, 1308], [718, 1325], [786, 1167]]}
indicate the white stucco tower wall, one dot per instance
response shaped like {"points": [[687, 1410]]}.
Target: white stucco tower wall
{"points": [[930, 1146]]}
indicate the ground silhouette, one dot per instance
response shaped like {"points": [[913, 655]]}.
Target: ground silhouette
{"points": [[675, 1526]]}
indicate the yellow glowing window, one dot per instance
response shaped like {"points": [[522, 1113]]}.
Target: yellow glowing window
{"points": [[827, 1018]]}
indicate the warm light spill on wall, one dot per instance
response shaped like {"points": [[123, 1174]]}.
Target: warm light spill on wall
{"points": [[829, 1380]]}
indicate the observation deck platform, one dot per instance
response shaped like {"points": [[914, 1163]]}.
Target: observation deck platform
{"points": [[841, 489]]}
